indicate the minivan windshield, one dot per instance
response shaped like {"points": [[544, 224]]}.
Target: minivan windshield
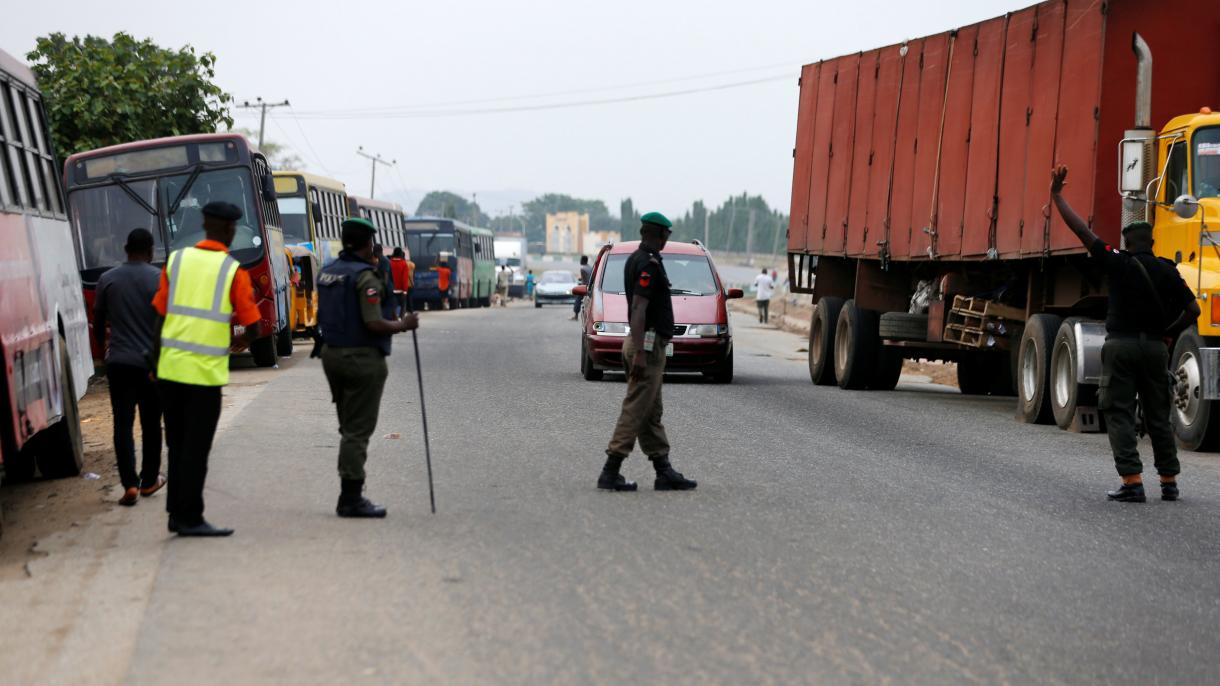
{"points": [[688, 274]]}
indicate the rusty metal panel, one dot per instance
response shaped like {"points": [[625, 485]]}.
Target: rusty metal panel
{"points": [[820, 169], [842, 147], [861, 166], [802, 157], [1076, 128], [1044, 109], [928, 141], [984, 132], [880, 177], [953, 168], [1014, 130], [907, 133]]}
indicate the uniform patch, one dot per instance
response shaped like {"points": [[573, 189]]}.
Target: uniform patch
{"points": [[645, 279], [372, 295]]}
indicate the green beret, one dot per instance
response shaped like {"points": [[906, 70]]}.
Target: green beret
{"points": [[658, 219], [359, 222]]}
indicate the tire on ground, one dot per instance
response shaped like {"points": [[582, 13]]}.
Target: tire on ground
{"points": [[903, 326], [1196, 420], [587, 370], [724, 372], [1065, 394], [263, 351], [821, 340], [1033, 368], [856, 346], [888, 369], [59, 450]]}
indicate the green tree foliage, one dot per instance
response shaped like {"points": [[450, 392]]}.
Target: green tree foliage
{"points": [[629, 219], [728, 226], [102, 92], [451, 206]]}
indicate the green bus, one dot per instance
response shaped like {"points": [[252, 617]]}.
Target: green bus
{"points": [[484, 277]]}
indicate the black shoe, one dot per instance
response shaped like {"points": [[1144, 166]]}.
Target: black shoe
{"points": [[613, 481], [1128, 493], [668, 479], [361, 508], [1169, 491], [202, 529], [172, 526]]}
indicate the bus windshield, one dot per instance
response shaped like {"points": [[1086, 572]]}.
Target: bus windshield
{"points": [[185, 226], [429, 243], [292, 214], [104, 215], [1207, 162], [688, 275]]}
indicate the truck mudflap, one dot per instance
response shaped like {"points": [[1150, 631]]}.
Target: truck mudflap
{"points": [[1090, 337], [1209, 373]]}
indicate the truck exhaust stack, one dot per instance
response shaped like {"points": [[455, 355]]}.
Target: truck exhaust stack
{"points": [[1143, 82]]}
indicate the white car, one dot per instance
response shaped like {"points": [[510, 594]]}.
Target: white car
{"points": [[555, 287]]}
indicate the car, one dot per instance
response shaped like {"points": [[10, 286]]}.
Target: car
{"points": [[703, 335], [555, 287]]}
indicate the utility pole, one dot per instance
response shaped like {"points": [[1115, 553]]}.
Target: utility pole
{"points": [[728, 243], [376, 160], [775, 240], [258, 104], [750, 239], [706, 218]]}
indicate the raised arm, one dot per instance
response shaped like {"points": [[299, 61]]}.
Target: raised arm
{"points": [[1073, 220]]}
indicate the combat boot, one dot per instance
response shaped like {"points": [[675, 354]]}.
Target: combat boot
{"points": [[1169, 490], [352, 502], [668, 479], [611, 480], [1128, 493]]}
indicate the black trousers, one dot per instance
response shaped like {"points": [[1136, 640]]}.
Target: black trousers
{"points": [[191, 414], [764, 311], [130, 388]]}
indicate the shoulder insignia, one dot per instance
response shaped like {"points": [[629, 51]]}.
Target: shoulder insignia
{"points": [[372, 295], [645, 279]]}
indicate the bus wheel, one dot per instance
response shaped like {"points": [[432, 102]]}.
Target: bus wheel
{"points": [[283, 342], [1034, 368], [263, 351], [59, 450], [1196, 420]]}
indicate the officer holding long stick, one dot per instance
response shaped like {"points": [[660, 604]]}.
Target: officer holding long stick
{"points": [[356, 319]]}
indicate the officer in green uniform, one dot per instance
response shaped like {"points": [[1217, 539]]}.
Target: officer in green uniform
{"points": [[1149, 305], [644, 353], [356, 318]]}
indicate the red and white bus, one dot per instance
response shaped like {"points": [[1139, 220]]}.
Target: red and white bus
{"points": [[162, 185], [44, 335]]}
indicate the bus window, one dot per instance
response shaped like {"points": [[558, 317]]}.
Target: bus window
{"points": [[185, 224], [44, 156], [19, 190], [104, 215]]}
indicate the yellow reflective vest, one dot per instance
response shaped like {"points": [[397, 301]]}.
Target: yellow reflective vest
{"points": [[195, 337]]}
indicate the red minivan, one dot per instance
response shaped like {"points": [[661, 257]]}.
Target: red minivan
{"points": [[702, 338]]}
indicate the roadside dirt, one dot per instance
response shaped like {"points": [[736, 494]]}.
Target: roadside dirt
{"points": [[34, 510], [792, 313]]}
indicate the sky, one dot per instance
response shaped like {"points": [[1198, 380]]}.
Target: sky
{"points": [[402, 78]]}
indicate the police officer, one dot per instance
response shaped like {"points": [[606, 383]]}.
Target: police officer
{"points": [[644, 352], [1149, 305], [356, 318], [202, 290]]}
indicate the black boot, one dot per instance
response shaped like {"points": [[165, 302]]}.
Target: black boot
{"points": [[352, 502], [1128, 493], [610, 479], [1169, 490], [668, 479]]}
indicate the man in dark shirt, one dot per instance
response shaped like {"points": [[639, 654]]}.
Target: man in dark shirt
{"points": [[644, 353], [1149, 305], [123, 298]]}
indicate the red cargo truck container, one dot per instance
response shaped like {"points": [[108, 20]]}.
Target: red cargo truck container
{"points": [[921, 173]]}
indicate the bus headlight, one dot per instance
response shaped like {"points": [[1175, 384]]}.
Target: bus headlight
{"points": [[612, 328], [707, 330]]}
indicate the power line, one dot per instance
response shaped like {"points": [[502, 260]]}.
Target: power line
{"points": [[258, 104], [534, 108], [309, 144], [376, 160]]}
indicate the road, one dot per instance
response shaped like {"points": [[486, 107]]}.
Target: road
{"points": [[916, 536]]}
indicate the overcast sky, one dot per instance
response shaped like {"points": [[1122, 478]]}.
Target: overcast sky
{"points": [[331, 59]]}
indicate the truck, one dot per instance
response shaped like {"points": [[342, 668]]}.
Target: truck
{"points": [[921, 219], [512, 250], [44, 334]]}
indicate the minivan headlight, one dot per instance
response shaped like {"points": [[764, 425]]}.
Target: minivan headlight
{"points": [[612, 328], [707, 330]]}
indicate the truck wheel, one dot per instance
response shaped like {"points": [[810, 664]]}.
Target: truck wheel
{"points": [[19, 467], [59, 450], [283, 342], [724, 372], [903, 326], [888, 369], [1065, 394], [587, 370], [263, 351], [973, 375], [1196, 420], [856, 346], [821, 340], [1034, 368]]}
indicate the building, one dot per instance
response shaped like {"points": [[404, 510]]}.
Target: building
{"points": [[565, 233]]}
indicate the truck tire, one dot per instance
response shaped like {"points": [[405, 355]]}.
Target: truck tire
{"points": [[263, 351], [985, 373], [58, 449], [283, 342], [19, 467], [856, 346], [1034, 368], [587, 370], [888, 370], [1065, 394], [821, 340], [903, 326], [1196, 420]]}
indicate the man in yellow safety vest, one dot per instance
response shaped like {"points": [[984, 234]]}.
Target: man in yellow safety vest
{"points": [[202, 291]]}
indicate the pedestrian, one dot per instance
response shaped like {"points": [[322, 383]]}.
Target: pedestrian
{"points": [[651, 316], [774, 276], [442, 283], [123, 299], [502, 279], [764, 287], [1149, 305], [586, 273], [384, 270], [400, 271], [356, 320], [202, 290], [529, 284]]}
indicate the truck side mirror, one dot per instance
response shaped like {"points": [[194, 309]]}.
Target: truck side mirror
{"points": [[1186, 206]]}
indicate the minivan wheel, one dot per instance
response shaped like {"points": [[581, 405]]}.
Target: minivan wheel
{"points": [[587, 370], [724, 372], [821, 340]]}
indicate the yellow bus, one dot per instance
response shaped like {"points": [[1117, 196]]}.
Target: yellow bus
{"points": [[312, 209]]}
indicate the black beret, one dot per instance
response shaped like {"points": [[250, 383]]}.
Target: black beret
{"points": [[222, 210]]}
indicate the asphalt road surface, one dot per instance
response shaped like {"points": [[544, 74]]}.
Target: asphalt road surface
{"points": [[917, 536]]}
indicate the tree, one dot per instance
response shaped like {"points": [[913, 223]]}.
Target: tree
{"points": [[101, 92], [728, 225], [451, 206], [629, 219], [535, 212], [279, 156]]}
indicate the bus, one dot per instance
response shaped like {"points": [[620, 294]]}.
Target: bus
{"points": [[484, 263], [434, 243], [312, 209], [162, 185], [386, 216], [44, 329]]}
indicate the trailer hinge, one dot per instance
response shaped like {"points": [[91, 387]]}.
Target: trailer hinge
{"points": [[921, 59], [835, 80], [870, 158], [1029, 114], [1096, 113], [1105, 7], [969, 133], [831, 151], [976, 47], [877, 71]]}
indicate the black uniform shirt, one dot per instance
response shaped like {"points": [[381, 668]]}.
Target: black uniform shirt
{"points": [[644, 274], [1133, 309]]}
